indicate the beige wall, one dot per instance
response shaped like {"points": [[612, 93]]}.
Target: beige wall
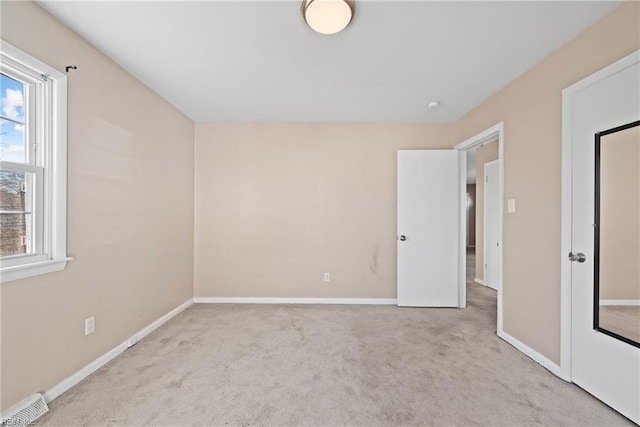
{"points": [[277, 205], [484, 154], [130, 218], [620, 215], [471, 219], [530, 107]]}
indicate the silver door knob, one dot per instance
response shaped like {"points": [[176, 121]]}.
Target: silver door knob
{"points": [[580, 257], [403, 238]]}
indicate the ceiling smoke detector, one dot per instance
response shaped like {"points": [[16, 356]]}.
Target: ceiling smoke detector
{"points": [[328, 16], [433, 105]]}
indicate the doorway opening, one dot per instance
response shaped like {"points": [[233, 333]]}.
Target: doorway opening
{"points": [[481, 216]]}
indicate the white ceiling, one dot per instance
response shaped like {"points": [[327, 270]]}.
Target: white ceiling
{"points": [[258, 61]]}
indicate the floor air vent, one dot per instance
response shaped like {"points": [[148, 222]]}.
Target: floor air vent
{"points": [[25, 412]]}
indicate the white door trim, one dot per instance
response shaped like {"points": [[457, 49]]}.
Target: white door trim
{"points": [[462, 255], [478, 140], [484, 219], [566, 208]]}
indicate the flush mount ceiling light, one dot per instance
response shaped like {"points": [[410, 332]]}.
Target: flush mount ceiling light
{"points": [[328, 16]]}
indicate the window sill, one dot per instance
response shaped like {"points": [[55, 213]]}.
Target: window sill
{"points": [[16, 272]]}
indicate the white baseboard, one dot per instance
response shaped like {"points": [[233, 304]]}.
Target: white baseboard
{"points": [[481, 282], [537, 357], [626, 302], [267, 300], [83, 373]]}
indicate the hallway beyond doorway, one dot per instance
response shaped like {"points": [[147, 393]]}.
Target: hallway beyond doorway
{"points": [[478, 296]]}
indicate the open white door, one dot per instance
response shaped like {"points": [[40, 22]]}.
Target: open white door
{"points": [[429, 227], [491, 223], [604, 360]]}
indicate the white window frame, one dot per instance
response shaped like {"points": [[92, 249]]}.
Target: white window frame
{"points": [[50, 167]]}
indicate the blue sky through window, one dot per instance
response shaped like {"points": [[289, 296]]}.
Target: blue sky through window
{"points": [[12, 100]]}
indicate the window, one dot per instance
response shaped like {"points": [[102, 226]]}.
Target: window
{"points": [[33, 157]]}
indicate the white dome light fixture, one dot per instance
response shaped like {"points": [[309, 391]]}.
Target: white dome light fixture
{"points": [[328, 16]]}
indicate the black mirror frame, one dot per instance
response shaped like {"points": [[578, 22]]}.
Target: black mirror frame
{"points": [[596, 260]]}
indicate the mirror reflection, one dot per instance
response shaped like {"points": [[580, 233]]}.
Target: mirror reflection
{"points": [[617, 310]]}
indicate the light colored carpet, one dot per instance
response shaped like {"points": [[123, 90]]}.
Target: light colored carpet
{"points": [[328, 365]]}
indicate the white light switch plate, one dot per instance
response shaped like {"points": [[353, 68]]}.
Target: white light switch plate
{"points": [[89, 325], [511, 205]]}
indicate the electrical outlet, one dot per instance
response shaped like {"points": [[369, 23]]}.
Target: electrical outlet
{"points": [[327, 277], [89, 325]]}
